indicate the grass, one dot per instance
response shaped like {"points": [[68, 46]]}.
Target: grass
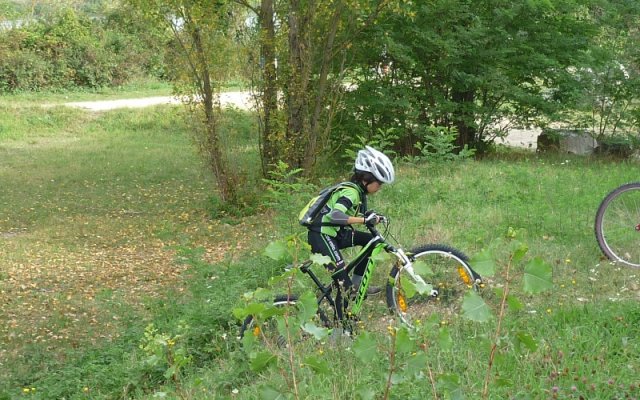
{"points": [[148, 88], [105, 228], [137, 89]]}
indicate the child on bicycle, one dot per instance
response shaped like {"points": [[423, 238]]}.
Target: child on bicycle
{"points": [[333, 229]]}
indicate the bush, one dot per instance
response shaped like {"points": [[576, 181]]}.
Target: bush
{"points": [[622, 146], [72, 50]]}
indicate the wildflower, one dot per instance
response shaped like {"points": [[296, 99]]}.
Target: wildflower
{"points": [[548, 311]]}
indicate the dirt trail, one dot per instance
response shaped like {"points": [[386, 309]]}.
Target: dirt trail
{"points": [[238, 99], [525, 138]]}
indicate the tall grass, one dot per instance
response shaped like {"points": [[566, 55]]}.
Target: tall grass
{"points": [[105, 228]]}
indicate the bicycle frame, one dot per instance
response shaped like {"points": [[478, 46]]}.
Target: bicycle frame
{"points": [[379, 243]]}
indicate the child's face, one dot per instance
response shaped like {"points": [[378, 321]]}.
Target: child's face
{"points": [[373, 187]]}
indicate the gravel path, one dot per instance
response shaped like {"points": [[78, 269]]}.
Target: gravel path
{"points": [[525, 138], [238, 99]]}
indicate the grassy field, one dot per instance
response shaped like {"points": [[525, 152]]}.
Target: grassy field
{"points": [[117, 283]]}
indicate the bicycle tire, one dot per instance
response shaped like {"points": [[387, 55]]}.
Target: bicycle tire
{"points": [[451, 276], [617, 225], [268, 330], [327, 317]]}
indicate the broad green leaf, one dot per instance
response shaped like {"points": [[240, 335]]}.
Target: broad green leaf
{"points": [[422, 268], [514, 303], [408, 287], [288, 326], [261, 361], [249, 342], [250, 309], [526, 340], [317, 365], [445, 341], [269, 393], [277, 251], [450, 383], [365, 392], [483, 263], [518, 251], [272, 311], [538, 276], [263, 294], [365, 347], [319, 259], [307, 306], [398, 377], [417, 362], [170, 372], [317, 332], [474, 307], [404, 343], [423, 288]]}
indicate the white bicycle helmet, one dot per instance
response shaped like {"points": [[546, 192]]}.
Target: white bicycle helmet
{"points": [[371, 160]]}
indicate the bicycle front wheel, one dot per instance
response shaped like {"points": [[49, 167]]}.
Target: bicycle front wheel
{"points": [[445, 269], [617, 225]]}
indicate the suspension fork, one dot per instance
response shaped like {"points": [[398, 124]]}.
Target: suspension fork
{"points": [[406, 264]]}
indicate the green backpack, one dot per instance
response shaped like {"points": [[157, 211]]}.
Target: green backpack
{"points": [[312, 210]]}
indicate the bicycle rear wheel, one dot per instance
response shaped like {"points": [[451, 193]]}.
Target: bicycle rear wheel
{"points": [[446, 269], [267, 330], [617, 225]]}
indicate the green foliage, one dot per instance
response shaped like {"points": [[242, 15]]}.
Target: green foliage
{"points": [[620, 146], [71, 49], [109, 188], [165, 352], [383, 140], [437, 144], [498, 68]]}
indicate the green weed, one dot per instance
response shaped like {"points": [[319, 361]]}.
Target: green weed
{"points": [[105, 228]]}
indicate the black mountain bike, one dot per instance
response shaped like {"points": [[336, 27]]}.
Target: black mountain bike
{"points": [[617, 225], [426, 278]]}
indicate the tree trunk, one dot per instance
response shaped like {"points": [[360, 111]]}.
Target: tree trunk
{"points": [[216, 158], [315, 131], [297, 96], [464, 119], [269, 148]]}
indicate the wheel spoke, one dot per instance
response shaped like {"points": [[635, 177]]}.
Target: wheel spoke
{"points": [[450, 277], [617, 228]]}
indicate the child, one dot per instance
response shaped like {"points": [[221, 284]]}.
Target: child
{"points": [[333, 230]]}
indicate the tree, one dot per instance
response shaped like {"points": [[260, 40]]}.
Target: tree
{"points": [[605, 93], [478, 67], [311, 42], [203, 42]]}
